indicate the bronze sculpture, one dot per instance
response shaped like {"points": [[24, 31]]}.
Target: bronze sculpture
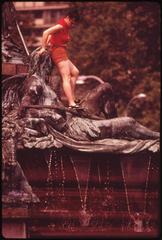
{"points": [[40, 103]]}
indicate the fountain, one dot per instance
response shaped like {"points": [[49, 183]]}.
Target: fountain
{"points": [[67, 172]]}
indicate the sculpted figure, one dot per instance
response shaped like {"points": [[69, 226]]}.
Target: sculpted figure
{"points": [[85, 129], [41, 102], [100, 101]]}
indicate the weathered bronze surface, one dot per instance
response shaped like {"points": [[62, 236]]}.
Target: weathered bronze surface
{"points": [[35, 119]]}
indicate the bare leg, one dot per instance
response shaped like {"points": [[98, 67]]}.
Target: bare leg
{"points": [[74, 72], [64, 70]]}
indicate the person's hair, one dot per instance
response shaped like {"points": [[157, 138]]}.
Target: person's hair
{"points": [[74, 14]]}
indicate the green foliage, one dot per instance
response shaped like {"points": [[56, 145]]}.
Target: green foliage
{"points": [[120, 42]]}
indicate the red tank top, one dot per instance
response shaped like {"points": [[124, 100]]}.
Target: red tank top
{"points": [[61, 37]]}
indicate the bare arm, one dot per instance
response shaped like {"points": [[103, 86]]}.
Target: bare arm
{"points": [[47, 34], [48, 39]]}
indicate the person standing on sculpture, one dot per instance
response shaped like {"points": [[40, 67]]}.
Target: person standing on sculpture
{"points": [[58, 36]]}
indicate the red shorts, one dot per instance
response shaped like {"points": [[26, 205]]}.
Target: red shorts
{"points": [[59, 54]]}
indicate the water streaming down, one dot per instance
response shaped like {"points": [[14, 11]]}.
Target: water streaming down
{"points": [[49, 193], [56, 189], [60, 197], [55, 182], [87, 209], [85, 216], [140, 220]]}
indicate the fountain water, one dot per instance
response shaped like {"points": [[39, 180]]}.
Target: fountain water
{"points": [[139, 219], [85, 216], [55, 194]]}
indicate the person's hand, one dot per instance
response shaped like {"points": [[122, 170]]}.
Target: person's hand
{"points": [[41, 50]]}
